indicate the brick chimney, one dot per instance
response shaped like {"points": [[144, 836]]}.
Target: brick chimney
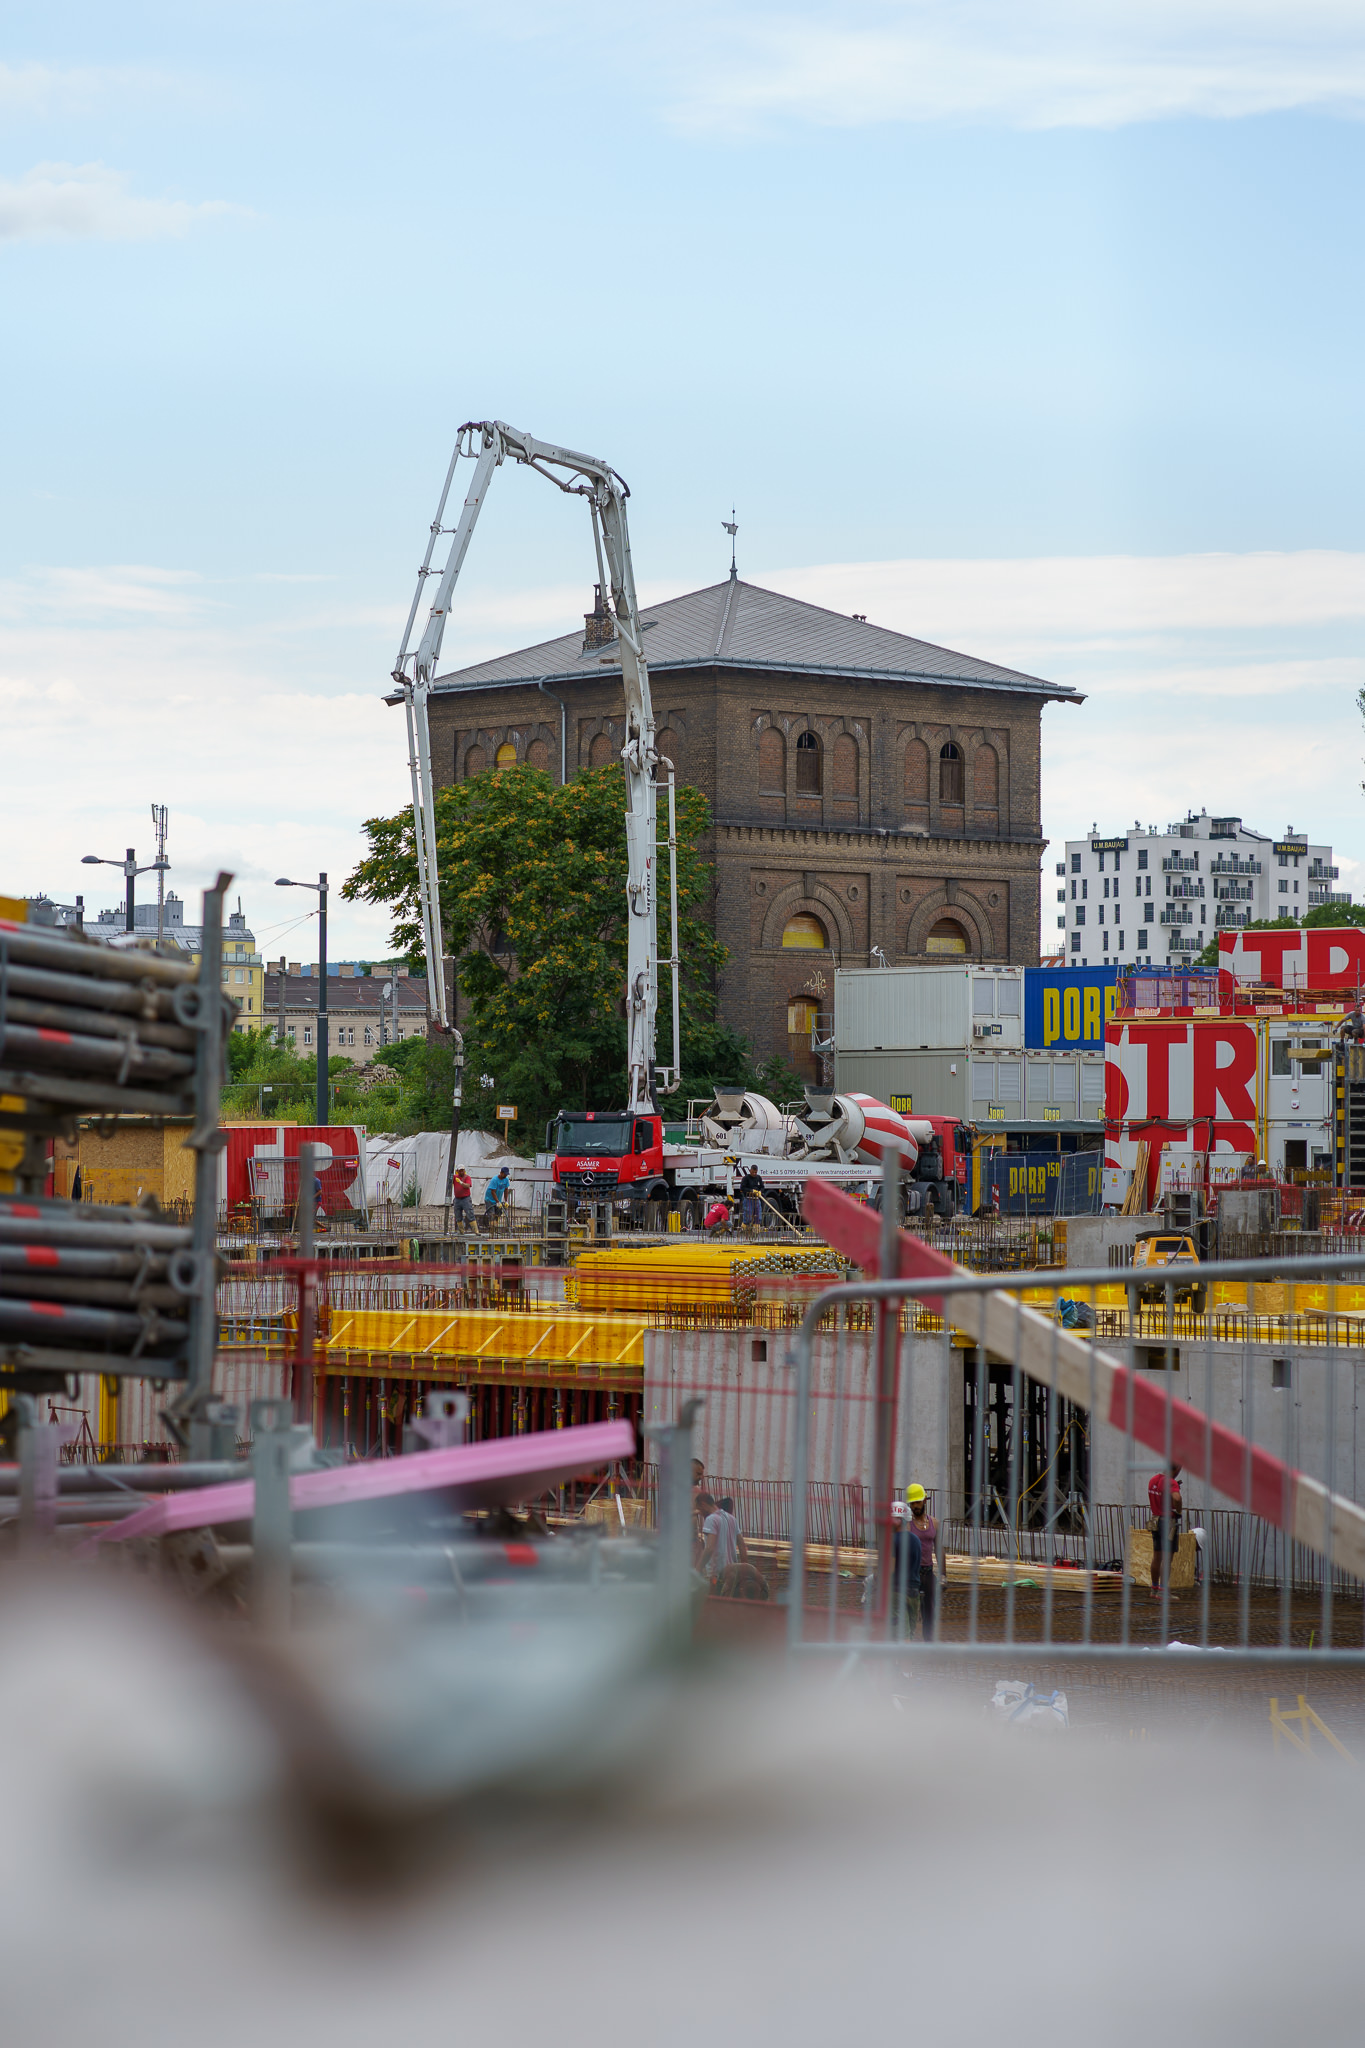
{"points": [[599, 627]]}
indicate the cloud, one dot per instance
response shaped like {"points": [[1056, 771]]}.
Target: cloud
{"points": [[58, 202], [264, 774], [1101, 599], [1051, 64], [112, 593], [32, 91]]}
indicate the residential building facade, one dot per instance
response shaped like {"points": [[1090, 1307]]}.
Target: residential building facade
{"points": [[871, 795], [361, 1020], [243, 972], [1144, 897]]}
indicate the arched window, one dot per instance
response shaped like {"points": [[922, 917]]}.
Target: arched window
{"points": [[670, 749], [601, 751], [805, 931], [506, 756], [950, 773], [946, 936], [986, 778], [772, 763], [808, 765], [475, 761], [846, 767], [538, 755], [916, 772]]}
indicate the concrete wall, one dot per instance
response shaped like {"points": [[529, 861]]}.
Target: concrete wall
{"points": [[1315, 1423], [1089, 1238], [745, 1427]]}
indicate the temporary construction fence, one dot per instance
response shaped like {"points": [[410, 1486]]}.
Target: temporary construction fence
{"points": [[1037, 1393]]}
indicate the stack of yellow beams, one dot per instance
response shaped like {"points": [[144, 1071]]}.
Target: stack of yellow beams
{"points": [[684, 1276]]}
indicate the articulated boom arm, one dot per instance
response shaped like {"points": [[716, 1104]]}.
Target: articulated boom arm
{"points": [[489, 443]]}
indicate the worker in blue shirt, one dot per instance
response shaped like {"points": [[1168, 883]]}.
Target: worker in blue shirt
{"points": [[494, 1195]]}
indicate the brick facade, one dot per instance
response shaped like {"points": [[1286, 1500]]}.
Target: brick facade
{"points": [[879, 806]]}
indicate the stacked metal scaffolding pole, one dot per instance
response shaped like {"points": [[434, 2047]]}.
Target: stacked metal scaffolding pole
{"points": [[90, 1029]]}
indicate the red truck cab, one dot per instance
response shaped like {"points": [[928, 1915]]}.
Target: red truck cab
{"points": [[607, 1154]]}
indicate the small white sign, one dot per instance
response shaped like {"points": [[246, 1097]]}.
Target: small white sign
{"points": [[508, 1110]]}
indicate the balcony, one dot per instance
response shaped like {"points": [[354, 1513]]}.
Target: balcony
{"points": [[1171, 915], [1174, 862], [1235, 892], [1318, 873], [1231, 864], [1187, 942], [1186, 889], [1231, 920]]}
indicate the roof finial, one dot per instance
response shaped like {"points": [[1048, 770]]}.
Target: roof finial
{"points": [[732, 528]]}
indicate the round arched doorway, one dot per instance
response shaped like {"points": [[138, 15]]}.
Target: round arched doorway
{"points": [[946, 936], [805, 931]]}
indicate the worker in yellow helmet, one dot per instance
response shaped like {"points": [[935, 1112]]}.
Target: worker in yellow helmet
{"points": [[926, 1528]]}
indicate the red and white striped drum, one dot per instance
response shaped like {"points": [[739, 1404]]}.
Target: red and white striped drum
{"points": [[878, 1123]]}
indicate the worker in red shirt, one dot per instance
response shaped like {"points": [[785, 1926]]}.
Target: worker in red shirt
{"points": [[1166, 1505]]}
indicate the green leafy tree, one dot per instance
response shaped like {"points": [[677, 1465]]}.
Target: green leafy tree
{"points": [[533, 887], [1334, 913]]}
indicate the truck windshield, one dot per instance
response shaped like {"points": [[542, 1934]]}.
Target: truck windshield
{"points": [[606, 1139]]}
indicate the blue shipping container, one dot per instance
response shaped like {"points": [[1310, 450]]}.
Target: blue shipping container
{"points": [[1066, 1008]]}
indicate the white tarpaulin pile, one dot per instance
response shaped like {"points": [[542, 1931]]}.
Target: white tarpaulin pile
{"points": [[393, 1164]]}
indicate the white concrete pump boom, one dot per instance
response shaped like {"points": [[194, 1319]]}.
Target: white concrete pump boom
{"points": [[489, 443]]}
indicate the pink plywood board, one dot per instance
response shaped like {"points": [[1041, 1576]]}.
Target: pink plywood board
{"points": [[502, 1470]]}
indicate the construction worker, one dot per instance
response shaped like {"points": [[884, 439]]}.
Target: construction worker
{"points": [[751, 1191], [462, 1198], [907, 1557], [1166, 1506], [926, 1529]]}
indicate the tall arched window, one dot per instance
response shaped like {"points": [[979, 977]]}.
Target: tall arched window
{"points": [[950, 773], [846, 767], [946, 936], [772, 763], [506, 756], [808, 765], [986, 778], [916, 772], [475, 761], [601, 750], [805, 931], [538, 755]]}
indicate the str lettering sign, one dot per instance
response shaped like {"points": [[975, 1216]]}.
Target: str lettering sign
{"points": [[1330, 957]]}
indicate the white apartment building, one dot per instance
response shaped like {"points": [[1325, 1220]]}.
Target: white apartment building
{"points": [[1147, 897]]}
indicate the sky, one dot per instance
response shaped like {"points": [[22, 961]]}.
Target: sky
{"points": [[1028, 326]]}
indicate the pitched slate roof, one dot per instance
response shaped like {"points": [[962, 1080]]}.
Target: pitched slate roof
{"points": [[739, 625]]}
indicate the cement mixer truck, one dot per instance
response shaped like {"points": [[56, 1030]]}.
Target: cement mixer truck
{"points": [[623, 1158]]}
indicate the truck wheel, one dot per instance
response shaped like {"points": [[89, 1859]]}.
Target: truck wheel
{"points": [[690, 1215], [1199, 1298], [945, 1195], [656, 1217]]}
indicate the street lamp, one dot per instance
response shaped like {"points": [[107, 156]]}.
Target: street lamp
{"points": [[320, 885], [131, 871]]}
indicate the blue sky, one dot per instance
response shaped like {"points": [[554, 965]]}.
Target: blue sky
{"points": [[1033, 328]]}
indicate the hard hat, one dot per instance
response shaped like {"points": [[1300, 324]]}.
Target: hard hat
{"points": [[916, 1492]]}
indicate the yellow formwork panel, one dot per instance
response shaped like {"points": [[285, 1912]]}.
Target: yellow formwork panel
{"points": [[1251, 1297], [532, 1336]]}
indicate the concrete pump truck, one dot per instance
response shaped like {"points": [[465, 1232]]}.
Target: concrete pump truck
{"points": [[620, 1156]]}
